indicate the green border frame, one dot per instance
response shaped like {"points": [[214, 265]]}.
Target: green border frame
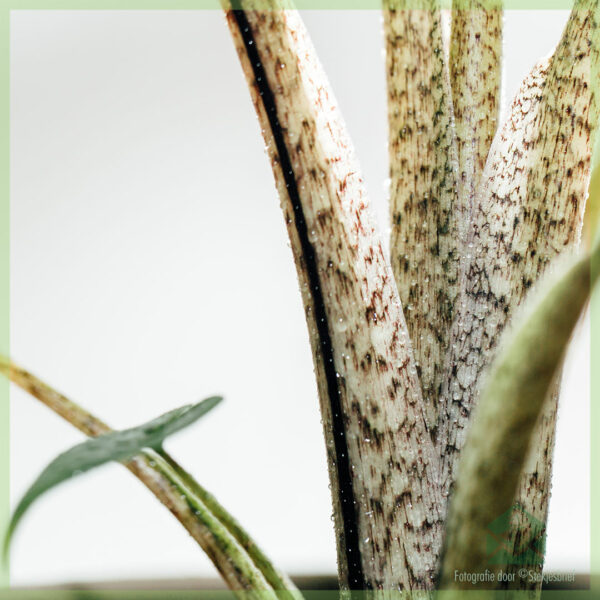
{"points": [[5, 278], [6, 6]]}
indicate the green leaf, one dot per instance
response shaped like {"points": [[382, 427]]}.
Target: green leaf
{"points": [[511, 402], [114, 446]]}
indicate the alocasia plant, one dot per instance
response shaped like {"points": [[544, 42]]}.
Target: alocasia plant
{"points": [[433, 428]]}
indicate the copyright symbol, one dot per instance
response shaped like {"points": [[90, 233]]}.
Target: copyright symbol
{"points": [[522, 573]]}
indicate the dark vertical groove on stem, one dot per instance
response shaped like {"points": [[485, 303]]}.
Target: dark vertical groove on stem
{"points": [[356, 578]]}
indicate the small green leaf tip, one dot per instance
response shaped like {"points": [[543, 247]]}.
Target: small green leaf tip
{"points": [[115, 446]]}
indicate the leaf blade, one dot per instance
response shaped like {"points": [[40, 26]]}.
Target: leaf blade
{"points": [[512, 400], [114, 446], [233, 552]]}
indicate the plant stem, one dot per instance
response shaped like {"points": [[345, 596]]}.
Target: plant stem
{"points": [[528, 210], [240, 561], [510, 407], [426, 198], [278, 580], [382, 468], [475, 72]]}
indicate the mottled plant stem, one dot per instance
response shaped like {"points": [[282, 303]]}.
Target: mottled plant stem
{"points": [[533, 492], [528, 211], [510, 407], [382, 468], [475, 73], [426, 199], [243, 566]]}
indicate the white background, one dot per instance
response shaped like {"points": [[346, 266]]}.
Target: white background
{"points": [[150, 268]]}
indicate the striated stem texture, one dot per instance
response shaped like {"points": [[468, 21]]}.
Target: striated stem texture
{"points": [[382, 467], [475, 72], [425, 204], [529, 210], [511, 404]]}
